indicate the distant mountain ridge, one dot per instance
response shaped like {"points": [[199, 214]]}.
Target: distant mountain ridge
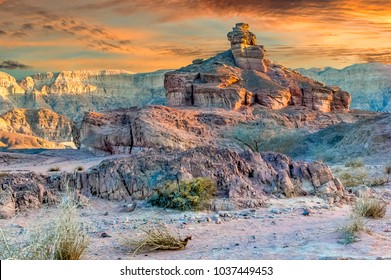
{"points": [[71, 93], [369, 83]]}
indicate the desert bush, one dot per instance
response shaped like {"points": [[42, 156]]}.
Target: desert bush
{"points": [[156, 237], [54, 169], [265, 135], [79, 168], [350, 231], [353, 179], [355, 163], [387, 172], [370, 207], [61, 238], [375, 182], [185, 195]]}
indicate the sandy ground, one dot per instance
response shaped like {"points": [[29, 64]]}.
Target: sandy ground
{"points": [[277, 232], [42, 161]]}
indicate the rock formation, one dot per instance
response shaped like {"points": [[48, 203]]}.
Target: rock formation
{"points": [[242, 76], [247, 54], [9, 90], [247, 179], [369, 84], [71, 93], [41, 123]]}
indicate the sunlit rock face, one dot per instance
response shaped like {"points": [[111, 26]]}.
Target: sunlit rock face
{"points": [[71, 93], [242, 76], [246, 52], [369, 83]]}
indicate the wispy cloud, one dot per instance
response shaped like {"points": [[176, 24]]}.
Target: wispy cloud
{"points": [[147, 35], [29, 16], [11, 65]]}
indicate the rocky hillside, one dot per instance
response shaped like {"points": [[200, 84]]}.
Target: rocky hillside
{"points": [[369, 84], [11, 141], [41, 123], [71, 93], [242, 76]]}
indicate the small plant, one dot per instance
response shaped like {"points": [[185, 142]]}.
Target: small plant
{"points": [[350, 231], [79, 168], [355, 163], [62, 238], [387, 172], [156, 237], [185, 195], [54, 169], [370, 207], [353, 179], [376, 182]]}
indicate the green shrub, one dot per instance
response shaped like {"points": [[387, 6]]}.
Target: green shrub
{"points": [[355, 163], [187, 195], [370, 207]]}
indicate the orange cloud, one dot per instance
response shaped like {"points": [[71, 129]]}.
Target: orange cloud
{"points": [[142, 35]]}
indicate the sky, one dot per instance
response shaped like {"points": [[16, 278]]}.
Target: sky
{"points": [[143, 36]]}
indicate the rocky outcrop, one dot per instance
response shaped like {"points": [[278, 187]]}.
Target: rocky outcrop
{"points": [[242, 77], [120, 131], [9, 89], [247, 54], [71, 93], [246, 179], [11, 140], [41, 123], [369, 84], [127, 130]]}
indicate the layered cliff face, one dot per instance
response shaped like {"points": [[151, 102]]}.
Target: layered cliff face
{"points": [[369, 84], [9, 90], [71, 93], [242, 76], [41, 123], [12, 140]]}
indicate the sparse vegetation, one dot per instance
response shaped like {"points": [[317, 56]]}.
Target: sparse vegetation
{"points": [[156, 237], [185, 195], [387, 172], [54, 169], [354, 178], [370, 207], [350, 231], [79, 168], [62, 238], [264, 136], [355, 163]]}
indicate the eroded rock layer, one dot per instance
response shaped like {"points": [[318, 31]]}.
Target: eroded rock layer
{"points": [[247, 179], [242, 76]]}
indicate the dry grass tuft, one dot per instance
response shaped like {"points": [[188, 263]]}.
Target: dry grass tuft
{"points": [[54, 169], [156, 237], [355, 163], [350, 231], [62, 238], [79, 168], [370, 207], [354, 178]]}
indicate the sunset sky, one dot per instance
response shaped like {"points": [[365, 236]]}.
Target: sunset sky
{"points": [[143, 36]]}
